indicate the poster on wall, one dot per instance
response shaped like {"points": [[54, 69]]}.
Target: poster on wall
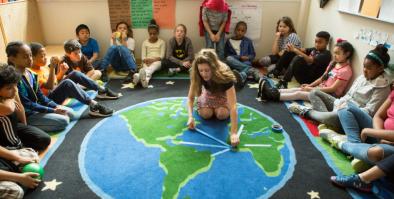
{"points": [[370, 8], [138, 13], [251, 13], [163, 11]]}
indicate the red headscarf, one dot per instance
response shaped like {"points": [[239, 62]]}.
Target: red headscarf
{"points": [[217, 5]]}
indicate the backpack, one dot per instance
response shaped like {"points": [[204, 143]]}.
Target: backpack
{"points": [[266, 91]]}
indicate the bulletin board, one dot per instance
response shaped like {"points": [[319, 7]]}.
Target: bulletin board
{"points": [[138, 13], [374, 9]]}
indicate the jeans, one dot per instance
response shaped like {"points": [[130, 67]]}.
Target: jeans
{"points": [[353, 121], [48, 122], [68, 89], [219, 45], [241, 67], [360, 150], [82, 79], [120, 59]]}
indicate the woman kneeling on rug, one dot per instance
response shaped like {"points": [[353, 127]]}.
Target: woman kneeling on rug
{"points": [[213, 83]]}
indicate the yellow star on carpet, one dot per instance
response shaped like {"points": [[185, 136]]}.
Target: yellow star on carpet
{"points": [[129, 85], [313, 194], [170, 83], [51, 185], [253, 85]]}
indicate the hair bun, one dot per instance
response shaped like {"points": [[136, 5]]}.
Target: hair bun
{"points": [[153, 21], [339, 40], [381, 48]]}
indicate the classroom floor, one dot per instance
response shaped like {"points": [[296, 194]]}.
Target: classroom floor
{"points": [[145, 151]]}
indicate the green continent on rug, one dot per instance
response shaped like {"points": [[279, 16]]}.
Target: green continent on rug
{"points": [[191, 163]]}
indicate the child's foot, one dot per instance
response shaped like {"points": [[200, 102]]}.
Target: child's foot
{"points": [[240, 82], [352, 181], [334, 138], [298, 109], [136, 78], [144, 80], [107, 94], [99, 110], [129, 77], [172, 72]]}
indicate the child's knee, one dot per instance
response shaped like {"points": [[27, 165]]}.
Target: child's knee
{"points": [[205, 113], [10, 189], [221, 113], [375, 154]]}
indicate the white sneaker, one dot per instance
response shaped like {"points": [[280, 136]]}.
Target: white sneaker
{"points": [[144, 80], [136, 78]]}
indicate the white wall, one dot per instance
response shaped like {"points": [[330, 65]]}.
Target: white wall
{"points": [[344, 26], [21, 22], [59, 25]]}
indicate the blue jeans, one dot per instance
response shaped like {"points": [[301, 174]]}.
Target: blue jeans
{"points": [[82, 79], [353, 121], [241, 67], [120, 59], [360, 150], [68, 89], [219, 45]]}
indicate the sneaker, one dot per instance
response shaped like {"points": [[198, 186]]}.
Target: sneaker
{"points": [[352, 181], [240, 82], [172, 72], [335, 139], [136, 78], [281, 84], [298, 109], [107, 94], [129, 77], [99, 110], [104, 76], [144, 80]]}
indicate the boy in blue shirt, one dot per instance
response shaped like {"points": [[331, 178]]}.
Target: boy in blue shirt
{"points": [[90, 47]]}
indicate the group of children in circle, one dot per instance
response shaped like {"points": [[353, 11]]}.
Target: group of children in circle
{"points": [[214, 75]]}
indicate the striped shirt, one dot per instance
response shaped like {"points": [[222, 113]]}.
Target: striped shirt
{"points": [[8, 136], [292, 39]]}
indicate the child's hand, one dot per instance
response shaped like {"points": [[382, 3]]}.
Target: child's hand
{"points": [[187, 64], [190, 123], [60, 111], [307, 88], [244, 58], [304, 85], [123, 36], [54, 62], [278, 34], [290, 47], [63, 67], [234, 139], [28, 180], [25, 160], [212, 37]]}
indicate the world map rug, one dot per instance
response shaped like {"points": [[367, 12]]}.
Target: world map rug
{"points": [[145, 150]]}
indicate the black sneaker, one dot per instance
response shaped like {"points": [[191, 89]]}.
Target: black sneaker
{"points": [[281, 84], [107, 94], [99, 110], [104, 76], [240, 82], [129, 78]]}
